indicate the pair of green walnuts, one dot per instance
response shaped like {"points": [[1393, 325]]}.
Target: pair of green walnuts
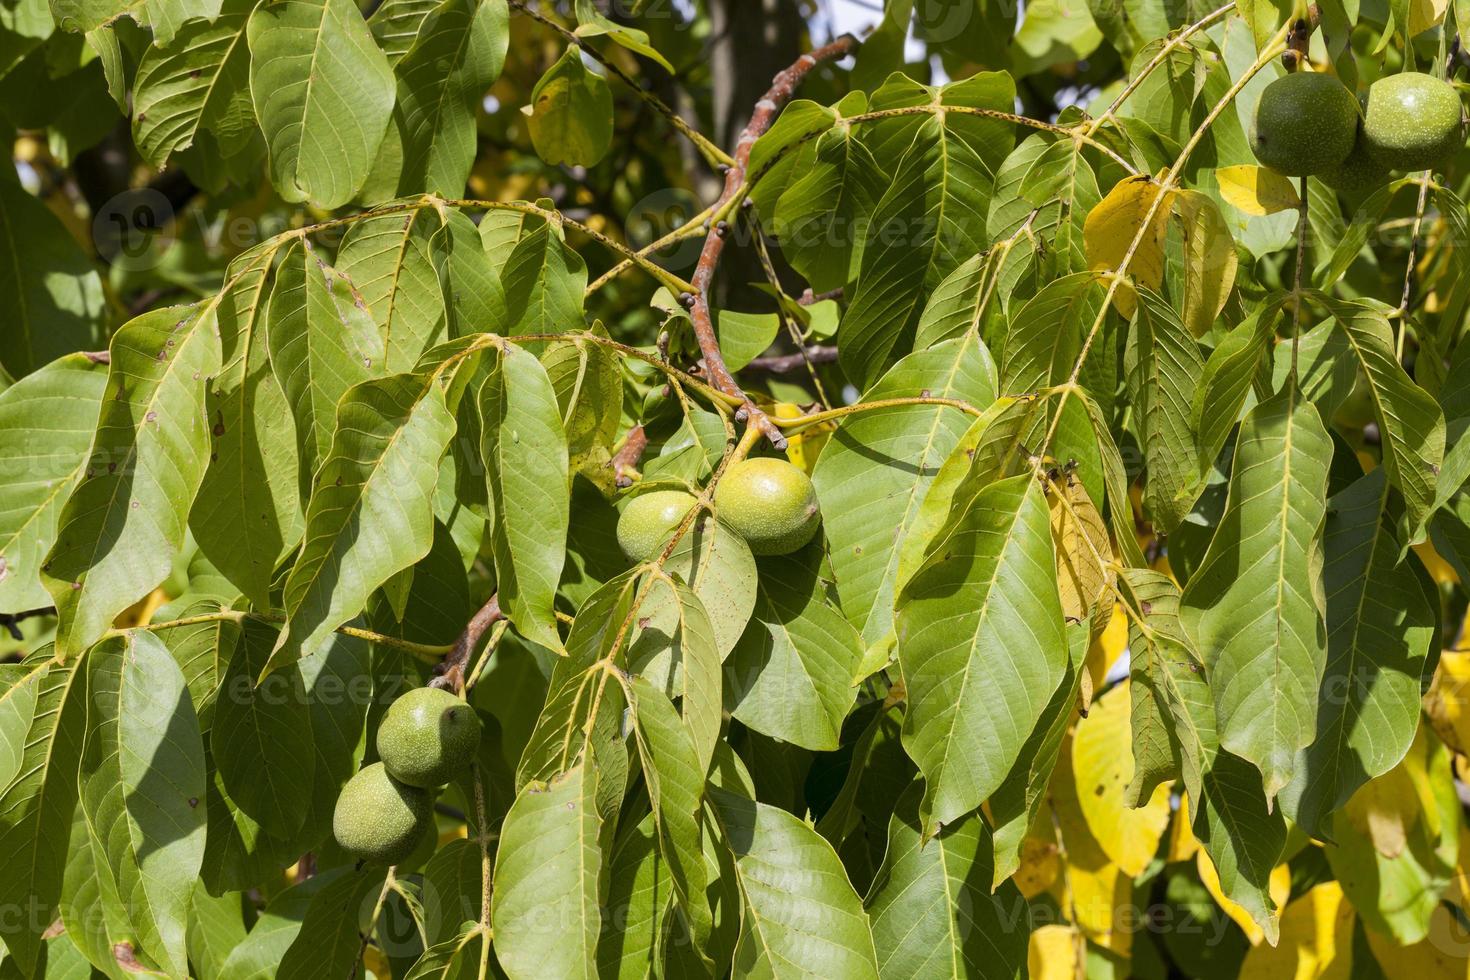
{"points": [[768, 502], [1309, 124], [426, 737]]}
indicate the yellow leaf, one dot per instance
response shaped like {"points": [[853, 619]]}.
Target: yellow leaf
{"points": [[1040, 862], [1439, 569], [141, 612], [1082, 547], [1112, 226], [1209, 256], [803, 447], [1092, 891], [1056, 953], [1102, 766], [1424, 14], [1106, 649], [1316, 940], [1278, 886], [1183, 845], [1443, 955], [1448, 700], [1256, 190]]}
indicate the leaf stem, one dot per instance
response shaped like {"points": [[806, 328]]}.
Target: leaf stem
{"points": [[426, 652], [1302, 228], [804, 421], [1403, 328]]}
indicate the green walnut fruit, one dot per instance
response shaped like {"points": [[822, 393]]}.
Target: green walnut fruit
{"points": [[1358, 174], [380, 819], [771, 503], [649, 519], [1305, 124], [427, 736], [1412, 122]]}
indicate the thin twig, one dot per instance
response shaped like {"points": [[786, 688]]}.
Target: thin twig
{"points": [[712, 153], [783, 86], [11, 621], [451, 671], [786, 363]]}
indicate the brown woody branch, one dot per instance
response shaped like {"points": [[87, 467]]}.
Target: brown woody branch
{"points": [[786, 363], [625, 461], [783, 86], [10, 622], [450, 671]]}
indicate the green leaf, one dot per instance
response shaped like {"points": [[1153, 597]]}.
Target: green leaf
{"points": [[323, 92], [1015, 804], [330, 942], [675, 649], [873, 473], [261, 737], [632, 947], [591, 23], [818, 215], [544, 280], [1164, 366], [588, 380], [142, 788], [1226, 382], [36, 803], [371, 511], [1043, 192], [801, 917], [48, 285], [929, 220], [525, 453], [46, 423], [457, 55], [322, 341], [745, 336], [1380, 627], [982, 647], [1256, 606], [1242, 833], [392, 263], [248, 511], [196, 82], [791, 674], [1410, 423], [452, 958], [1046, 335], [932, 907], [717, 565], [676, 789], [396, 25], [571, 113], [545, 910], [121, 527]]}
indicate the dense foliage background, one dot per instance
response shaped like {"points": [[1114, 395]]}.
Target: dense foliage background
{"points": [[335, 338]]}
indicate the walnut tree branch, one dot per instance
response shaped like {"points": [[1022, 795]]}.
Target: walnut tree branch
{"points": [[625, 461], [783, 86], [450, 671]]}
